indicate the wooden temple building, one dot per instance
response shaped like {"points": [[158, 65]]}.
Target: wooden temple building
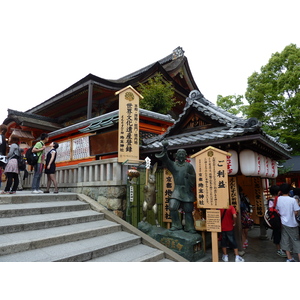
{"points": [[84, 119]]}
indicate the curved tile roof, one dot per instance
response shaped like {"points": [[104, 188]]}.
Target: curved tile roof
{"points": [[230, 127]]}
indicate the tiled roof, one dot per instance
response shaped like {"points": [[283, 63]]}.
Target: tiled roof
{"points": [[231, 126], [177, 53], [32, 120], [107, 120], [184, 139]]}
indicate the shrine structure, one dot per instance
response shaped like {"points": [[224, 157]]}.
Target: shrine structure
{"points": [[84, 119]]}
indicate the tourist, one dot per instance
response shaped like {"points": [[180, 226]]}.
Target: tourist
{"points": [[228, 222], [11, 170], [39, 148], [21, 172], [50, 167], [288, 209], [3, 130], [246, 220], [276, 234]]}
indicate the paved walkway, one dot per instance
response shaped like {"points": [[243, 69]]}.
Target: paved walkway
{"points": [[258, 250]]}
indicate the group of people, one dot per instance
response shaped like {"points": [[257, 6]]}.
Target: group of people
{"points": [[10, 166], [286, 237]]}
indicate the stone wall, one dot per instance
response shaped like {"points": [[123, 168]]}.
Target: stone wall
{"points": [[111, 197]]}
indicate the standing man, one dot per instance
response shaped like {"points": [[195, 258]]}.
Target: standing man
{"points": [[288, 208], [183, 195], [39, 148]]}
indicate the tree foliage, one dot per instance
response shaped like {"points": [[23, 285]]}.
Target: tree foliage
{"points": [[158, 95], [232, 103], [274, 97]]}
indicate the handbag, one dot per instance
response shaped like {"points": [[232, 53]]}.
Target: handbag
{"points": [[246, 221], [3, 160]]}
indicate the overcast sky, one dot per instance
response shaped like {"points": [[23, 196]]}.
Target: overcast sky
{"points": [[45, 48]]}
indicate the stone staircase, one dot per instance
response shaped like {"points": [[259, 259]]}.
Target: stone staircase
{"points": [[71, 227]]}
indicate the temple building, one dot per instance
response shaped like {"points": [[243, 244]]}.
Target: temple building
{"points": [[84, 120], [91, 105]]}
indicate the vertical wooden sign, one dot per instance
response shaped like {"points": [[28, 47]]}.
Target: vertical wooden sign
{"points": [[168, 189], [211, 178], [258, 194], [128, 146], [212, 189]]}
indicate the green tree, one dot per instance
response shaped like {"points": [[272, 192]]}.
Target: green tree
{"points": [[233, 104], [274, 97], [158, 95]]}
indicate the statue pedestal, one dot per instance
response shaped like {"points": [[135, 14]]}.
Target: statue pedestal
{"points": [[187, 245]]}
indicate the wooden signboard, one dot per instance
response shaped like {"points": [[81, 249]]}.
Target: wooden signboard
{"points": [[128, 147], [213, 220], [212, 189], [212, 178]]}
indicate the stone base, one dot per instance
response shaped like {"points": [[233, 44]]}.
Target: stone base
{"points": [[187, 245]]}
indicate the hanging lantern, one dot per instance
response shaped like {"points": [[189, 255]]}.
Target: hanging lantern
{"points": [[248, 162], [260, 161], [232, 162], [274, 169], [268, 167], [133, 173]]}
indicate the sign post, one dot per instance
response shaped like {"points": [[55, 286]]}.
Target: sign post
{"points": [[129, 115], [212, 189]]}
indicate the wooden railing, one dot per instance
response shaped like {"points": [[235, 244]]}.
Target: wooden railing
{"points": [[106, 172]]}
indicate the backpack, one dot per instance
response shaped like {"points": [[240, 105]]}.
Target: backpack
{"points": [[21, 163], [272, 217], [32, 158]]}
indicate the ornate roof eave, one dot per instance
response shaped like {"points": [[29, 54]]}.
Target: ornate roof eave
{"points": [[176, 54], [217, 137], [176, 59], [107, 120], [231, 129], [197, 101], [31, 120]]}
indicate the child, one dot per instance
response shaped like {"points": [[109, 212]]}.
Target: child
{"points": [[228, 221]]}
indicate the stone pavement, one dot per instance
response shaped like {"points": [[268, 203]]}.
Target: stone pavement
{"points": [[259, 250]]}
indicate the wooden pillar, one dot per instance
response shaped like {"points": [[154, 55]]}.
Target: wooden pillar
{"points": [[90, 101]]}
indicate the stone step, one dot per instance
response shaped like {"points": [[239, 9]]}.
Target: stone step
{"points": [[138, 253], [33, 239], [59, 227], [81, 250], [29, 198], [43, 221], [25, 209]]}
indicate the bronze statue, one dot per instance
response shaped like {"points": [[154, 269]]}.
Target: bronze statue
{"points": [[150, 196], [183, 195]]}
